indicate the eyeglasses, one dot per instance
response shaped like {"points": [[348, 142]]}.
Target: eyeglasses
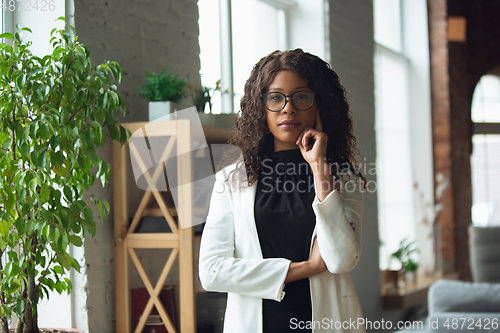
{"points": [[276, 101]]}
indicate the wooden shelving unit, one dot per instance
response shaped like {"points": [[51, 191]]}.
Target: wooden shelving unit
{"points": [[180, 240], [413, 294]]}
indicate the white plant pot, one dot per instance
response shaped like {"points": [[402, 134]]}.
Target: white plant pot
{"points": [[159, 110]]}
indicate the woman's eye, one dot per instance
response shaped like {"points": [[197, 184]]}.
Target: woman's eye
{"points": [[276, 97], [302, 96]]}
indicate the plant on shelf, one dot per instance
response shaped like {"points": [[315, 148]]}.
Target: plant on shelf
{"points": [[54, 113], [403, 255], [161, 90], [163, 87], [202, 95]]}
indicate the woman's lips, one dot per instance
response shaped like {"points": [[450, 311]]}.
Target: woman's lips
{"points": [[289, 124]]}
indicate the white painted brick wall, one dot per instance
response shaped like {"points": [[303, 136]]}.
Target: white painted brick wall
{"points": [[352, 48]]}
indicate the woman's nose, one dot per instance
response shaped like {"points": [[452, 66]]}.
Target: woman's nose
{"points": [[289, 108]]}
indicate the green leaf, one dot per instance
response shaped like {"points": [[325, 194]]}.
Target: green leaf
{"points": [[74, 132], [123, 134], [63, 215], [65, 260], [75, 240], [42, 159], [20, 225], [67, 193], [89, 137], [32, 185], [54, 142], [89, 219], [25, 149], [64, 115], [103, 100], [7, 35], [80, 98], [4, 228], [93, 156], [61, 171], [26, 29], [113, 132], [44, 131]]}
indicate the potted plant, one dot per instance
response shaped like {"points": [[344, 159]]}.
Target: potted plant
{"points": [[201, 96], [160, 90], [54, 113], [402, 254], [410, 269]]}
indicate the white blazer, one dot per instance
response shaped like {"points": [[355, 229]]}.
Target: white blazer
{"points": [[231, 259]]}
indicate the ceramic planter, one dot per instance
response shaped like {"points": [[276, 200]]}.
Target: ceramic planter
{"points": [[160, 109]]}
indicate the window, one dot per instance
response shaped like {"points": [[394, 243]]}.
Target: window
{"points": [[485, 157], [247, 31], [405, 190]]}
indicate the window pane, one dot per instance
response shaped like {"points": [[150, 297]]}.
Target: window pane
{"points": [[209, 40], [387, 23], [486, 100], [394, 173], [255, 34], [485, 169]]}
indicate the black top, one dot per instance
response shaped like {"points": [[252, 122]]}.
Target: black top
{"points": [[285, 222]]}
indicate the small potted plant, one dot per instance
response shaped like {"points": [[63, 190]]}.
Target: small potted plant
{"points": [[201, 96], [161, 90], [406, 248], [411, 267]]}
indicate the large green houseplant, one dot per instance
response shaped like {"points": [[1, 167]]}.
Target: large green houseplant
{"points": [[54, 112]]}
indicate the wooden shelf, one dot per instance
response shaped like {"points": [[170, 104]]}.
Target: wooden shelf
{"points": [[180, 240], [413, 294]]}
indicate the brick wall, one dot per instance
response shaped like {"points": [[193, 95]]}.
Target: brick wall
{"points": [[455, 70], [468, 61], [352, 48], [445, 226]]}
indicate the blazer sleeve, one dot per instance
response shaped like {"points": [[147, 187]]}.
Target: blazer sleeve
{"points": [[339, 226], [219, 269]]}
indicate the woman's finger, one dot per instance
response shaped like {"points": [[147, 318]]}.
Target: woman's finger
{"points": [[310, 133], [319, 125]]}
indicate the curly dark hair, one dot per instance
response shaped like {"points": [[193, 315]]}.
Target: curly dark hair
{"points": [[251, 133]]}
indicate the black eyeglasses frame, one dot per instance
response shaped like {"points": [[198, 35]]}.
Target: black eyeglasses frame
{"points": [[264, 96]]}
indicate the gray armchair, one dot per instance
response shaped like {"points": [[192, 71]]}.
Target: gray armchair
{"points": [[484, 252], [459, 306]]}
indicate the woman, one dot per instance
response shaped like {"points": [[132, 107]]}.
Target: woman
{"points": [[284, 224]]}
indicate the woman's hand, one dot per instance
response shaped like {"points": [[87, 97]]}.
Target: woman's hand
{"points": [[314, 154], [316, 263], [305, 269]]}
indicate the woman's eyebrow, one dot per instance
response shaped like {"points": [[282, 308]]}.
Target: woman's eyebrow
{"points": [[300, 87]]}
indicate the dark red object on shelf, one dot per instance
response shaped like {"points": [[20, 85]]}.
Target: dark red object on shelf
{"points": [[154, 323]]}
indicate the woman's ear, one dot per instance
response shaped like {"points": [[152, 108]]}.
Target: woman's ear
{"points": [[318, 126]]}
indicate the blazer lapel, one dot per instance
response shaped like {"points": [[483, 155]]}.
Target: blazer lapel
{"points": [[248, 217]]}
